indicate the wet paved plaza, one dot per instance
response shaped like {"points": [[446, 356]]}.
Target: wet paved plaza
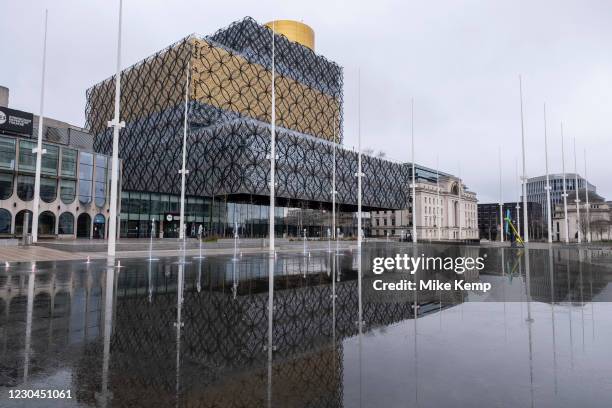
{"points": [[197, 332]]}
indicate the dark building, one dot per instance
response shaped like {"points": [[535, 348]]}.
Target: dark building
{"points": [[488, 219], [228, 115]]}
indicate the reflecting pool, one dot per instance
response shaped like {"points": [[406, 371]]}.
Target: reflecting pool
{"points": [[201, 333]]}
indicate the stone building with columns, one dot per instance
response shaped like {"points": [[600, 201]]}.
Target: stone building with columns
{"points": [[446, 210]]}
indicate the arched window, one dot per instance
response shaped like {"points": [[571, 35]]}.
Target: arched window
{"points": [[66, 224], [83, 226], [48, 189], [5, 221], [46, 223], [99, 225], [25, 187], [67, 191], [6, 186], [19, 219]]}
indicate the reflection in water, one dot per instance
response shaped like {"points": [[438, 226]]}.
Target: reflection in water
{"points": [[220, 333]]}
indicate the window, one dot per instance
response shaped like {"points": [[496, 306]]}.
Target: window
{"points": [[49, 160], [5, 221], [46, 223], [27, 158], [69, 163], [85, 177], [66, 223], [67, 191], [6, 185], [25, 187], [100, 182], [48, 189], [7, 153]]}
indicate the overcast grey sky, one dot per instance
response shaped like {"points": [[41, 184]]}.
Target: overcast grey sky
{"points": [[460, 61]]}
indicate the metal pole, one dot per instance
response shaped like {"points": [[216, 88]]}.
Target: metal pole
{"points": [[272, 151], [116, 124], [184, 171], [588, 207], [334, 183], [548, 208], [577, 200], [518, 201], [460, 204], [524, 177], [359, 174], [564, 188], [39, 150], [501, 202], [438, 199], [413, 185]]}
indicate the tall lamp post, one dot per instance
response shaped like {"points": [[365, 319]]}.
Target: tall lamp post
{"points": [[116, 124], [39, 150]]}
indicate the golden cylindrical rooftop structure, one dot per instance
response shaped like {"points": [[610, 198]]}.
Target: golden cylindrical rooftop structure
{"points": [[294, 31]]}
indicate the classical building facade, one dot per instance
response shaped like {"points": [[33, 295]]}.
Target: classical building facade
{"points": [[445, 210], [597, 223]]}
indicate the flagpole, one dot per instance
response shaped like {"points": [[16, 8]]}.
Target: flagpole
{"points": [[548, 208], [438, 198], [524, 177], [184, 171], [518, 200], [272, 150], [577, 200], [501, 203], [116, 124], [413, 185], [39, 150], [359, 174], [334, 183], [588, 207], [564, 188]]}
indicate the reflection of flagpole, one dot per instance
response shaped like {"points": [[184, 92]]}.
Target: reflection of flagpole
{"points": [[108, 327], [179, 325], [28, 333], [552, 310], [39, 150]]}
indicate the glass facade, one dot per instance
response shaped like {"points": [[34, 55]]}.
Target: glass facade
{"points": [[85, 177], [67, 191], [48, 189], [219, 217], [7, 153], [5, 221], [6, 185], [100, 181], [69, 163], [27, 158], [25, 187], [50, 160]]}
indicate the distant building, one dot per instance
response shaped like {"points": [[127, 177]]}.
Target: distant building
{"points": [[488, 220], [447, 203], [536, 191], [598, 222]]}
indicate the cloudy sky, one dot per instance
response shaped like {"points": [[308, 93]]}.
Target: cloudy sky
{"points": [[459, 60]]}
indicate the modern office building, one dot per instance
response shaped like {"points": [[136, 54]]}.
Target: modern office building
{"points": [[441, 200], [73, 186], [228, 79], [488, 220], [536, 189]]}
